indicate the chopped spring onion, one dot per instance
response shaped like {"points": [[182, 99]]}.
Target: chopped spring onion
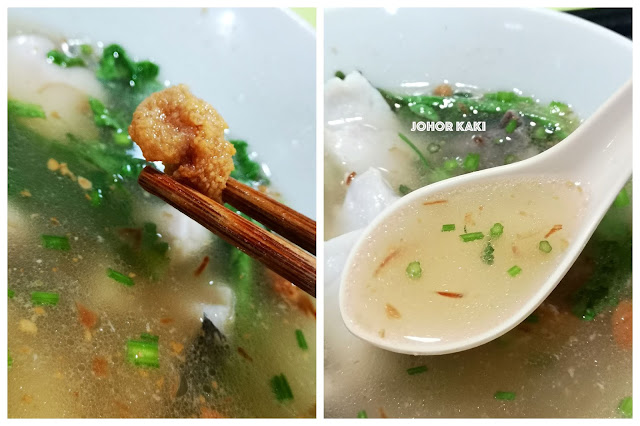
{"points": [[121, 278], [448, 227], [487, 254], [10, 360], [149, 337], [414, 271], [472, 236], [11, 294], [544, 246], [496, 230], [622, 199], [514, 270], [362, 415], [45, 298], [511, 126], [626, 407], [416, 370], [55, 242], [302, 342], [281, 388], [471, 162], [505, 396], [404, 189], [143, 353], [340, 75], [415, 149], [450, 165]]}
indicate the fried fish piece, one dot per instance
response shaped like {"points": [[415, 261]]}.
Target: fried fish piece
{"points": [[187, 135]]}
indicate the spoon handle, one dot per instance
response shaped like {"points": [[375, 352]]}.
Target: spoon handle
{"points": [[598, 153]]}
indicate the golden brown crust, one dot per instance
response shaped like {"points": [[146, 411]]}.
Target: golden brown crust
{"points": [[187, 135]]}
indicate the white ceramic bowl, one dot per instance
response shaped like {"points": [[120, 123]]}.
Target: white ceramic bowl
{"points": [[541, 52], [256, 66]]}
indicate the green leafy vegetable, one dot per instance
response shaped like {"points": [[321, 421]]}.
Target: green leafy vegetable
{"points": [[414, 271], [622, 199], [416, 370], [487, 254], [246, 170], [609, 279], [45, 298], [626, 407], [505, 396], [448, 227], [116, 65], [11, 294], [340, 75], [143, 353], [121, 278], [472, 236], [103, 117], [544, 246], [59, 58], [281, 388], [23, 109], [404, 189], [302, 342], [362, 415], [9, 359], [532, 319], [514, 270], [149, 253], [415, 149], [511, 126], [510, 159], [450, 164], [55, 242]]}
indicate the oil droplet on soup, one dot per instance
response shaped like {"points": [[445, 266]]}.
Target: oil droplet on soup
{"points": [[461, 262]]}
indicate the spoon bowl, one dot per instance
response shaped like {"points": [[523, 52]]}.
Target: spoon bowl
{"points": [[596, 156]]}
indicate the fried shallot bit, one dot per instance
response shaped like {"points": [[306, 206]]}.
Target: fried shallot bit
{"points": [[292, 295], [244, 354], [621, 322], [86, 317], [553, 230], [187, 135], [100, 366], [350, 178], [450, 294], [391, 311], [443, 90], [430, 203], [202, 266], [386, 260]]}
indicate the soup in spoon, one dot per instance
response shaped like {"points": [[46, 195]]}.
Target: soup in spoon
{"points": [[449, 267]]}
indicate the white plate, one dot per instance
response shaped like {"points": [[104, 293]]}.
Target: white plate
{"points": [[255, 66]]}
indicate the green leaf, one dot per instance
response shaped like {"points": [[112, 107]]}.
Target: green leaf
{"points": [[246, 170], [60, 59], [23, 109]]}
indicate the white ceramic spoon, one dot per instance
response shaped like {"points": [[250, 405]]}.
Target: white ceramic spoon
{"points": [[597, 155]]}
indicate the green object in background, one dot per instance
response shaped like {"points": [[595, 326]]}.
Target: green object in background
{"points": [[306, 13]]}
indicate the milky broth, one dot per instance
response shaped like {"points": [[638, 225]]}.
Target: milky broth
{"points": [[458, 293]]}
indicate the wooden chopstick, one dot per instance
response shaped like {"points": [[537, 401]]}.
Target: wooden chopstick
{"points": [[276, 253], [292, 225]]}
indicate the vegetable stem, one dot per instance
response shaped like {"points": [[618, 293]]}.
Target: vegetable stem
{"points": [[415, 149]]}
